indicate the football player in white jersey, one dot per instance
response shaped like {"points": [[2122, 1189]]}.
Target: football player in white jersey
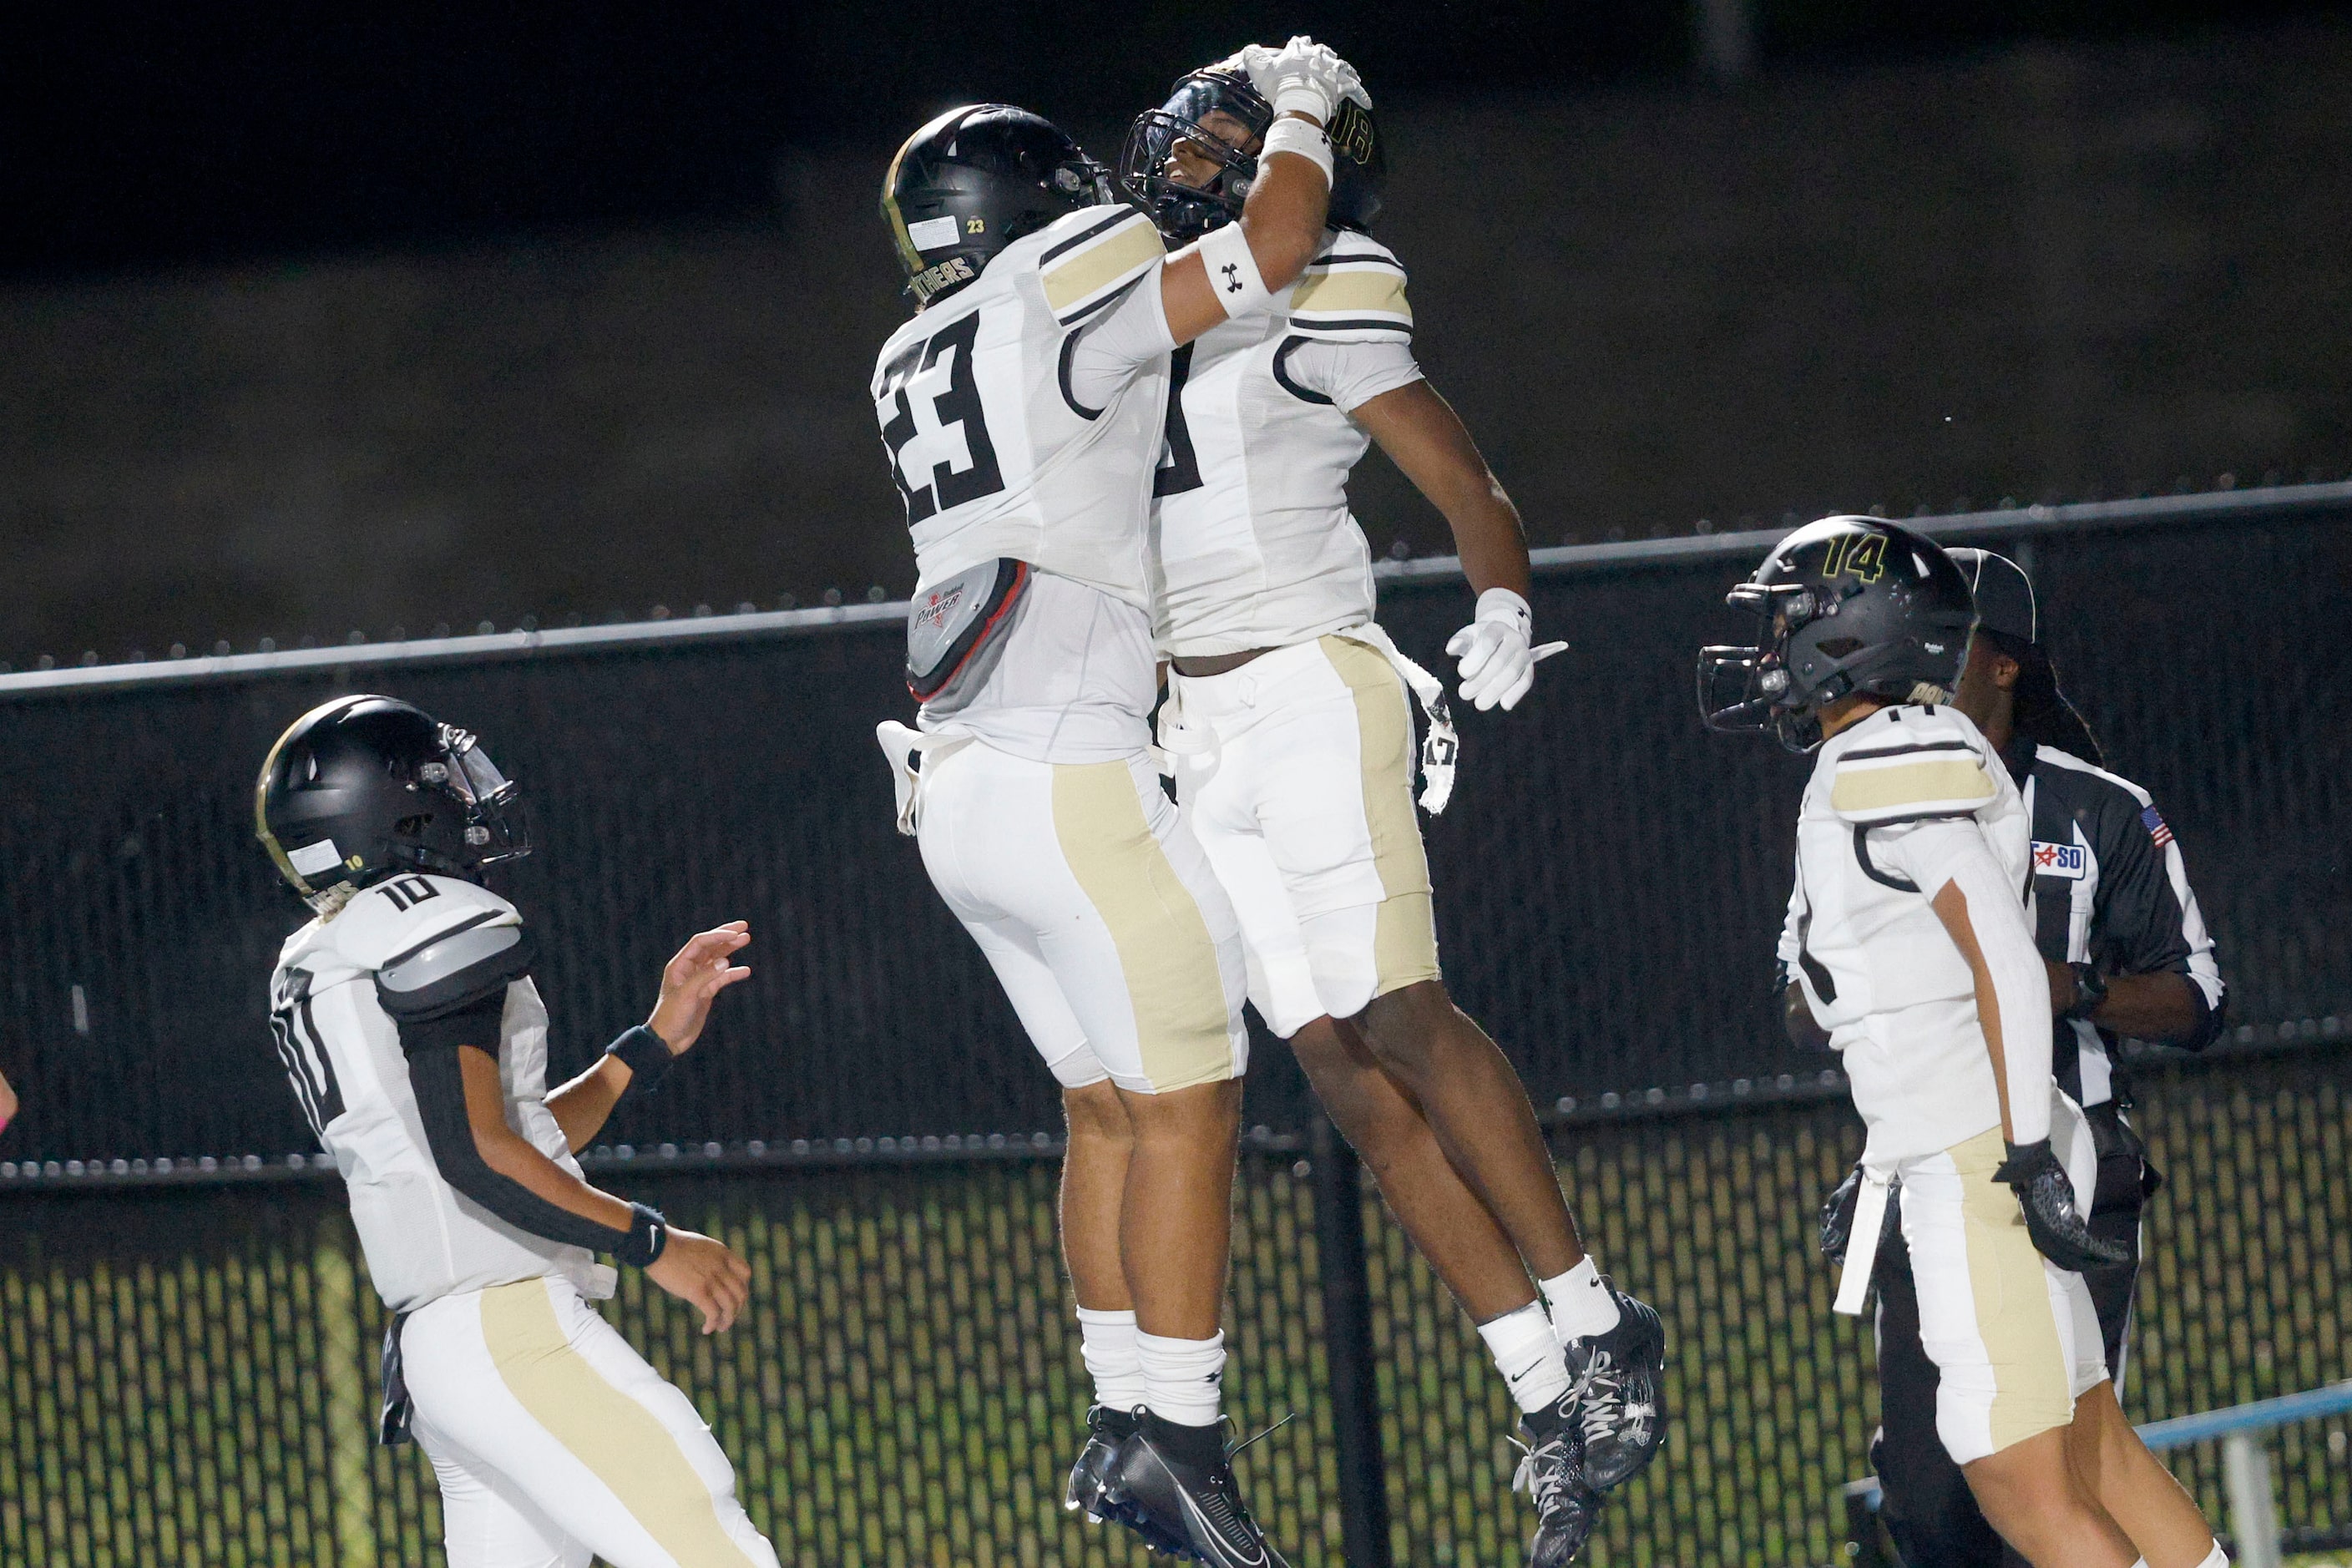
{"points": [[406, 1018], [1021, 408], [1915, 952], [1291, 734]]}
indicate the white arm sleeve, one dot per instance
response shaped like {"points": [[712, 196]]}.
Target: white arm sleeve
{"points": [[1349, 375], [1952, 850], [1118, 342]]}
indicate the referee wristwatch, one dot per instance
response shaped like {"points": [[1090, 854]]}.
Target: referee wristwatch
{"points": [[2090, 991]]}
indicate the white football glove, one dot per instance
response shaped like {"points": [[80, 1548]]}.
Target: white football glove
{"points": [[1303, 77], [1496, 664]]}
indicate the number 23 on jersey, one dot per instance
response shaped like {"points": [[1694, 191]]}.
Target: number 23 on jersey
{"points": [[934, 424]]}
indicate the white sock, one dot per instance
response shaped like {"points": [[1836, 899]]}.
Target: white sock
{"points": [[2217, 1558], [1108, 1341], [1528, 1353], [1579, 1304], [1182, 1378]]}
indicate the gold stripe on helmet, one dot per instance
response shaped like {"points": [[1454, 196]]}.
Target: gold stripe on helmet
{"points": [[261, 796], [907, 251]]}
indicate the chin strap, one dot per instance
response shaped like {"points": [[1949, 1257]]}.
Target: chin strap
{"points": [[331, 903]]}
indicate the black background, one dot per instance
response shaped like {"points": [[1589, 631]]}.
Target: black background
{"points": [[154, 133]]}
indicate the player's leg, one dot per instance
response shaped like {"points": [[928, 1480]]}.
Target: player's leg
{"points": [[1338, 816], [1928, 1506], [485, 1522], [2154, 1510], [1142, 946], [1220, 794], [542, 1394], [2004, 1340], [1447, 1222], [982, 814]]}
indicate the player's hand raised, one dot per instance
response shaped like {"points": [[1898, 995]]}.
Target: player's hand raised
{"points": [[699, 1270], [698, 973]]}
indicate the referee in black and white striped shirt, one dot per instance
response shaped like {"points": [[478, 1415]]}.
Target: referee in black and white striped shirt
{"points": [[2128, 957]]}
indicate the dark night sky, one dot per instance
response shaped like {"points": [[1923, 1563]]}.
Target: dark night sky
{"points": [[162, 133]]}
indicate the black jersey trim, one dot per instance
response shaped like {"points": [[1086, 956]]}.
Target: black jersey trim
{"points": [[1907, 751], [1282, 376], [404, 954], [1107, 224], [1062, 379], [1335, 259], [1862, 855], [1824, 986], [1352, 324], [1077, 318]]}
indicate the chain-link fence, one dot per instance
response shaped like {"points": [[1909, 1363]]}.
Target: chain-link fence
{"points": [[190, 1338], [1609, 878], [191, 1375]]}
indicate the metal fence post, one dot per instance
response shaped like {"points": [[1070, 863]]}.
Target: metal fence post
{"points": [[1348, 1346], [2253, 1513]]}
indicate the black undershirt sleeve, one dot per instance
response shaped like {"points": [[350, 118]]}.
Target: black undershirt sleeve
{"points": [[431, 1046]]}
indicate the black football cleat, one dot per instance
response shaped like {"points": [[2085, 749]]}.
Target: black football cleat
{"points": [[1616, 1392], [1106, 1428], [1177, 1480], [1551, 1472]]}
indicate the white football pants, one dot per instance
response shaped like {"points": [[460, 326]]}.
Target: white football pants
{"points": [[2015, 1337], [555, 1441], [1295, 774], [1095, 908]]}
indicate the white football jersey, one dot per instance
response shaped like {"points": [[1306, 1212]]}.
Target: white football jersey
{"points": [[1252, 544], [1878, 969], [1023, 418], [994, 452], [341, 1049]]}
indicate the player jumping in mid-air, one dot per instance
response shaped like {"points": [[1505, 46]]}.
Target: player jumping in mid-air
{"points": [[1021, 409], [1289, 725], [1915, 948], [405, 1016]]}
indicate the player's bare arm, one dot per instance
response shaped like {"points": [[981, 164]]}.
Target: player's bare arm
{"points": [[1428, 442], [7, 1103], [2163, 1007], [691, 980], [1797, 1019], [696, 1268], [1425, 438]]}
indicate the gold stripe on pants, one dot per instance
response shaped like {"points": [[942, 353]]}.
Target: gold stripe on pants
{"points": [[2031, 1381], [1404, 940], [1169, 959], [620, 1442]]}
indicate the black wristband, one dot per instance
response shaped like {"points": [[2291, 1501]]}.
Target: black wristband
{"points": [[646, 1055], [2090, 991], [648, 1236]]}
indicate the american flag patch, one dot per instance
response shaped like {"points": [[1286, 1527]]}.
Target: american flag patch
{"points": [[2154, 823]]}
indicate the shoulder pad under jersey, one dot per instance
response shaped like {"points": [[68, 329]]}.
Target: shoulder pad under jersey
{"points": [[1352, 293], [1086, 259], [434, 944], [1908, 762]]}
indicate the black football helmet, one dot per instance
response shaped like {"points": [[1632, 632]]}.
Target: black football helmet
{"points": [[975, 180], [363, 787], [1849, 603], [1223, 118]]}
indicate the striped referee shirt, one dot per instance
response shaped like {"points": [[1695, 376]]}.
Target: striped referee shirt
{"points": [[2110, 890]]}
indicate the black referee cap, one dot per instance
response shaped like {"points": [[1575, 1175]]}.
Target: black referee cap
{"points": [[2004, 594]]}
